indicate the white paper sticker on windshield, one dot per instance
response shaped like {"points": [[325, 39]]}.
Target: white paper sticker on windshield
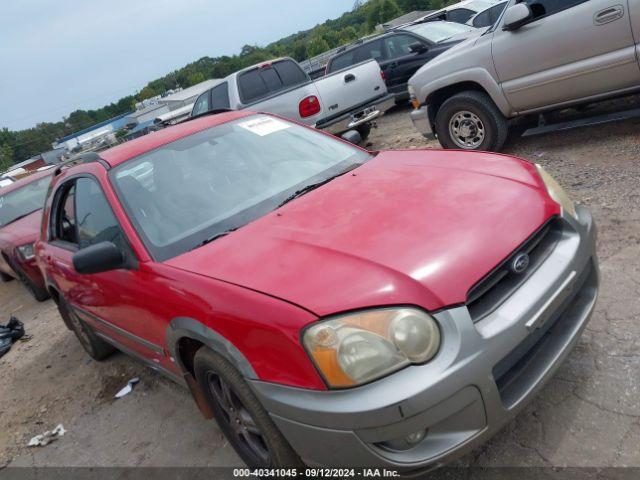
{"points": [[264, 125]]}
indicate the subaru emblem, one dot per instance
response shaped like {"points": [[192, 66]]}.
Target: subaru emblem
{"points": [[520, 263]]}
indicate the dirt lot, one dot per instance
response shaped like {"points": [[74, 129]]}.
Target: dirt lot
{"points": [[589, 415]]}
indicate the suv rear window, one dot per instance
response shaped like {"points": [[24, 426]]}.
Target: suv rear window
{"points": [[264, 81]]}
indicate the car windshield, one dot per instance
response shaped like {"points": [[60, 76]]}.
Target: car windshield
{"points": [[191, 190], [438, 31], [25, 200]]}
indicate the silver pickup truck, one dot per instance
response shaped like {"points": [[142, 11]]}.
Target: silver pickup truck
{"points": [[540, 55], [342, 103]]}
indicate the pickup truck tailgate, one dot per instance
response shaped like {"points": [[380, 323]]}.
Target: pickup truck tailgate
{"points": [[347, 89]]}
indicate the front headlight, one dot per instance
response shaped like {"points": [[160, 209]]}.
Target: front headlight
{"points": [[26, 251], [556, 192], [359, 347]]}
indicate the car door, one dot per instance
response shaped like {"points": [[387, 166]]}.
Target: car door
{"points": [[402, 62], [570, 50], [111, 302]]}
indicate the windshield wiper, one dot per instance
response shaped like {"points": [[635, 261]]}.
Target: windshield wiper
{"points": [[214, 237], [313, 186]]}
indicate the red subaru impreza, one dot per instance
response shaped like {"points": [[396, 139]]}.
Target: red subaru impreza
{"points": [[326, 304], [20, 219]]}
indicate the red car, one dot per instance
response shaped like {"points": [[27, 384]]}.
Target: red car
{"points": [[326, 304], [20, 218]]}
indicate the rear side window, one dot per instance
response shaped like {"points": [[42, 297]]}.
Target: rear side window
{"points": [[371, 50], [368, 51], [265, 81], [201, 105], [220, 97], [459, 15]]}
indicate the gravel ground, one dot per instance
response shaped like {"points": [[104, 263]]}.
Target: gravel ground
{"points": [[588, 415]]}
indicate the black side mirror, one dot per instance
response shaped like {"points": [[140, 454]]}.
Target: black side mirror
{"points": [[418, 47], [101, 257], [516, 16]]}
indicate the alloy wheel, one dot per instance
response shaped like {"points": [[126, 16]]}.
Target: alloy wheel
{"points": [[239, 422]]}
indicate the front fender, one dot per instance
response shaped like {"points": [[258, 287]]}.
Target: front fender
{"points": [[184, 327], [478, 76]]}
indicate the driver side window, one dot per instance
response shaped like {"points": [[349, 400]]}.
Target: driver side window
{"points": [[83, 217], [64, 216]]}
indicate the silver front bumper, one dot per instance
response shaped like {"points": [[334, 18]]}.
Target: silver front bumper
{"points": [[421, 122], [456, 396], [359, 116]]}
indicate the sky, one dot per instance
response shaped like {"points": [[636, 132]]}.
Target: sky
{"points": [[57, 56]]}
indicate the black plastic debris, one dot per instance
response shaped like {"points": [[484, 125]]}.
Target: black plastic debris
{"points": [[9, 333]]}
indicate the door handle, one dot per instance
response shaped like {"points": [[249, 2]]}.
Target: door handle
{"points": [[608, 15], [349, 77]]}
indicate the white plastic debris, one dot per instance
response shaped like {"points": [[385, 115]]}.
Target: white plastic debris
{"points": [[47, 437], [128, 388]]}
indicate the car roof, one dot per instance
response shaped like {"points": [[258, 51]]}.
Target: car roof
{"points": [[133, 148], [27, 180]]}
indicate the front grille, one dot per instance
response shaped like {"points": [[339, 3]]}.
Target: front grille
{"points": [[525, 365], [490, 292]]}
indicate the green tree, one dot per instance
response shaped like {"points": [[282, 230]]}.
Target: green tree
{"points": [[413, 5], [389, 10], [195, 78], [146, 92], [316, 46], [381, 11], [6, 157]]}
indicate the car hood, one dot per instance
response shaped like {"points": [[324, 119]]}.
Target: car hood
{"points": [[407, 227], [25, 230]]}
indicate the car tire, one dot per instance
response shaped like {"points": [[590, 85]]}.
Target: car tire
{"points": [[471, 121], [40, 294], [240, 415], [97, 348]]}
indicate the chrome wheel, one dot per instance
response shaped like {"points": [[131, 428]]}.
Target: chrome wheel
{"points": [[466, 130], [239, 421]]}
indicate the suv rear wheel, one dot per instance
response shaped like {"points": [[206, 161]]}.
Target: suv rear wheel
{"points": [[241, 417], [471, 121]]}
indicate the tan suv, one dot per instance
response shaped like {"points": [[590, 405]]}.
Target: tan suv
{"points": [[540, 55]]}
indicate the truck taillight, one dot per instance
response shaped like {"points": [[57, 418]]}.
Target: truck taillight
{"points": [[309, 106], [384, 79]]}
